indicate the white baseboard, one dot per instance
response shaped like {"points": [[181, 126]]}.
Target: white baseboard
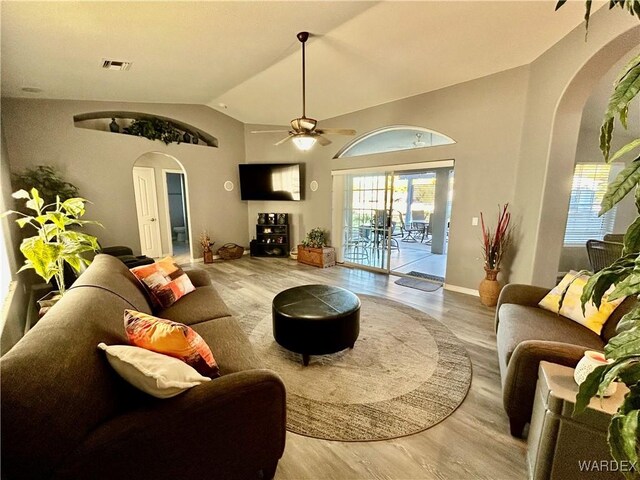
{"points": [[466, 291]]}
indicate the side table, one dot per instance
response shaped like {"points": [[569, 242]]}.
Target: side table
{"points": [[562, 447]]}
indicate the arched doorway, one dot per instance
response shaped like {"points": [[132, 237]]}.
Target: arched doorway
{"points": [[162, 206], [562, 149]]}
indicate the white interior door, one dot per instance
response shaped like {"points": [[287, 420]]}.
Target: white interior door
{"points": [[144, 184]]}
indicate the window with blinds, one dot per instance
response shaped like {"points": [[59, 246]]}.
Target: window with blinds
{"points": [[589, 186]]}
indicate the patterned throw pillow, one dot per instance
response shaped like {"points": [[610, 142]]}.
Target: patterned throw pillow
{"points": [[164, 281], [153, 373], [571, 308], [171, 338]]}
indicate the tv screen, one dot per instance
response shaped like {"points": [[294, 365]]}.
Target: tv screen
{"points": [[270, 181]]}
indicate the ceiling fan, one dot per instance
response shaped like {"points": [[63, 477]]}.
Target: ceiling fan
{"points": [[304, 132]]}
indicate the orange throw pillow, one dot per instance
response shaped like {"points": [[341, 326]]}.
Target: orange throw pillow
{"points": [[164, 281], [170, 338]]}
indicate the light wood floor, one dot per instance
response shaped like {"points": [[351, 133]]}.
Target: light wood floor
{"points": [[473, 443]]}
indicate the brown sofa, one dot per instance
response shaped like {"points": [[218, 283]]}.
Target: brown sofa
{"points": [[67, 414], [527, 334]]}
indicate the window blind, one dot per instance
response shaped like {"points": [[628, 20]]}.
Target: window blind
{"points": [[589, 186]]}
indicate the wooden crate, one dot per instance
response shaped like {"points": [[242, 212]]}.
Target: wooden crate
{"points": [[317, 257]]}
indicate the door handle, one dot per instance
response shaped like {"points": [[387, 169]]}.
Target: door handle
{"points": [[153, 219]]}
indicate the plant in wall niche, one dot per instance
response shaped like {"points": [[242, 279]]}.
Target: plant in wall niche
{"points": [[624, 274], [494, 245], [154, 129], [47, 180], [316, 238], [54, 245]]}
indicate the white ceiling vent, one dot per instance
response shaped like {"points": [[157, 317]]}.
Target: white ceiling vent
{"points": [[116, 64]]}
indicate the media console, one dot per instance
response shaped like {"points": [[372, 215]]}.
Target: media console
{"points": [[272, 236]]}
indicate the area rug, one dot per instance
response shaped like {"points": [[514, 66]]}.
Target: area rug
{"points": [[406, 373]]}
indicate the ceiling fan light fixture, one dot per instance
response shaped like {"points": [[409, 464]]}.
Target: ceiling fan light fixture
{"points": [[304, 142]]}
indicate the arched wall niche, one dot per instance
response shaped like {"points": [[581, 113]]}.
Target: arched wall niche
{"points": [[100, 121]]}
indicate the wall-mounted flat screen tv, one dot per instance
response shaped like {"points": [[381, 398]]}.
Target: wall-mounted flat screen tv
{"points": [[271, 181]]}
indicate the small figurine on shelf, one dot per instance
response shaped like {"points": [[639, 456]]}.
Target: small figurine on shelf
{"points": [[205, 241]]}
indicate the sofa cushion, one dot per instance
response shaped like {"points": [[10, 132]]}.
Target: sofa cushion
{"points": [[519, 323], [164, 281], [571, 287], [199, 306], [109, 274], [158, 375], [170, 338], [230, 344]]}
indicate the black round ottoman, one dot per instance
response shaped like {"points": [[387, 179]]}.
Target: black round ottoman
{"points": [[316, 319]]}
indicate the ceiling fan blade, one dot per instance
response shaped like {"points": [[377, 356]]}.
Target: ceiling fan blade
{"points": [[283, 140], [269, 131], [337, 131], [322, 141]]}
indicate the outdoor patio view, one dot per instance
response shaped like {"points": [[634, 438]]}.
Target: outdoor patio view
{"points": [[399, 222]]}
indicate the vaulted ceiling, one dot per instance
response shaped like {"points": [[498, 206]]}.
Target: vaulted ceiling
{"points": [[245, 55]]}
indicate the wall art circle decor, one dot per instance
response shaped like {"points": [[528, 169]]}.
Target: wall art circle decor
{"points": [[228, 185], [313, 186]]}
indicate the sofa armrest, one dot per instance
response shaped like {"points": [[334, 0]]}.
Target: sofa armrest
{"points": [[520, 294], [231, 427], [199, 278], [519, 385]]}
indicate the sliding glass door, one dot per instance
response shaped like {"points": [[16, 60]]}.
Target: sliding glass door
{"points": [[395, 221], [367, 220]]}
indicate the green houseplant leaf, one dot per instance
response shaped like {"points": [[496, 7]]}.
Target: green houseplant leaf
{"points": [[54, 245], [629, 320], [624, 182], [622, 438], [626, 88], [631, 239], [626, 149]]}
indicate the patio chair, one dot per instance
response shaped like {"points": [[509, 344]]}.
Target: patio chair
{"points": [[356, 244], [614, 237], [381, 225], [602, 254]]}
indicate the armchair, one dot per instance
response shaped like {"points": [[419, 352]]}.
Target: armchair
{"points": [[527, 334]]}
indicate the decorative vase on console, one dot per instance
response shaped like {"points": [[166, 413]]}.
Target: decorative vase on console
{"points": [[494, 245]]}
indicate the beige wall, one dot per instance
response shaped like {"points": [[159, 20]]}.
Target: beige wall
{"points": [[100, 163]]}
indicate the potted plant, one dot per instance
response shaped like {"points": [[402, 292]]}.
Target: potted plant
{"points": [[494, 245], [54, 245], [316, 238], [314, 250], [623, 350], [49, 183], [206, 243], [154, 129]]}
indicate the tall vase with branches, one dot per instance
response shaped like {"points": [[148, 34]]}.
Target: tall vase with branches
{"points": [[623, 350], [494, 244]]}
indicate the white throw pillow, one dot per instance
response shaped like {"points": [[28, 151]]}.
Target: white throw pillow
{"points": [[154, 373]]}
